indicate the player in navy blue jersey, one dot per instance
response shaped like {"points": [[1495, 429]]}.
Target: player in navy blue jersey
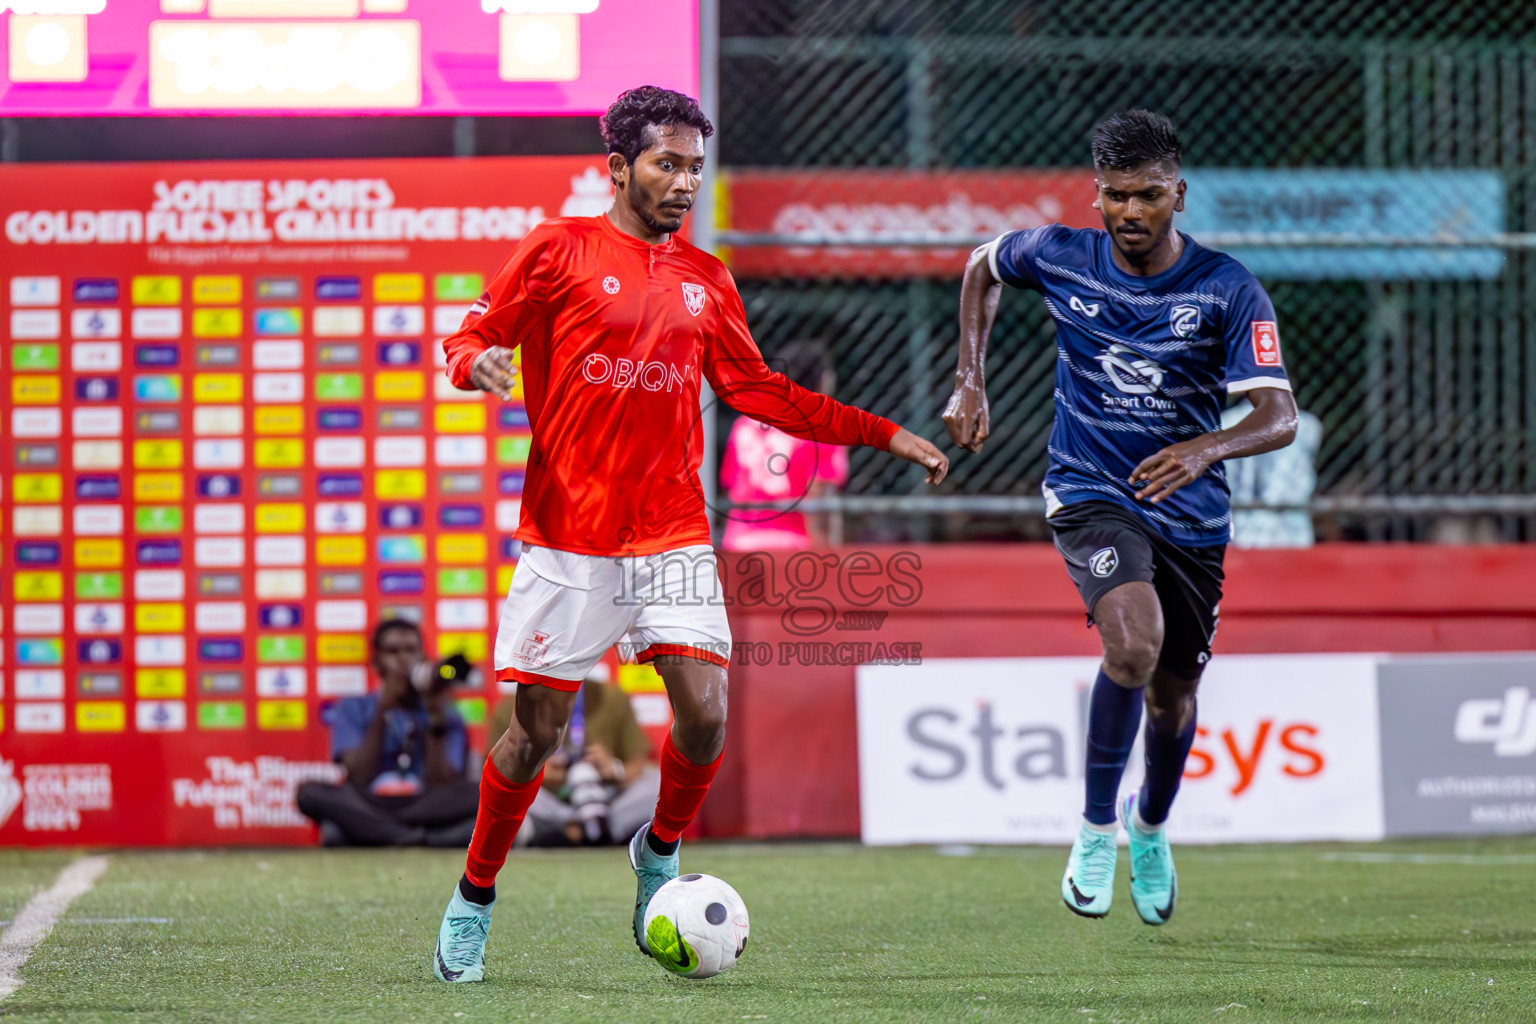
{"points": [[1153, 333]]}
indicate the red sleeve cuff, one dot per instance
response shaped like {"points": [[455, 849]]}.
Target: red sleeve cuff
{"points": [[884, 431], [462, 351]]}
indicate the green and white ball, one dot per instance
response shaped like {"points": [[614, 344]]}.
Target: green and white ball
{"points": [[696, 926]]}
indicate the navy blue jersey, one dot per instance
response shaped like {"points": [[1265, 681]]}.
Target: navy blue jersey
{"points": [[1142, 363]]}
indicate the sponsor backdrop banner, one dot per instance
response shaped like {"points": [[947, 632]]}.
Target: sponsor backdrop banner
{"points": [[871, 211], [860, 217], [228, 451], [333, 56], [1458, 737], [1406, 206], [991, 750]]}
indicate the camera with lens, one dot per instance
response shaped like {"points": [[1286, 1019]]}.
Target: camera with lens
{"points": [[454, 670]]}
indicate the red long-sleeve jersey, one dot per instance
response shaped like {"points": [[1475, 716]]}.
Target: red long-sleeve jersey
{"points": [[616, 335]]}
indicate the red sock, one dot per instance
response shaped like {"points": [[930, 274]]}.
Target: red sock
{"points": [[683, 787], [503, 805]]}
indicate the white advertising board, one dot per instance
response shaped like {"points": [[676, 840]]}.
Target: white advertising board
{"points": [[991, 751]]}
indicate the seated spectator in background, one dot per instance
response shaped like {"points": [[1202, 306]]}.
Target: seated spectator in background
{"points": [[762, 463], [1284, 477], [404, 748], [600, 786]]}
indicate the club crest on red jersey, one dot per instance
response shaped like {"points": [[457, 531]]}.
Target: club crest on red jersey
{"points": [[693, 298]]}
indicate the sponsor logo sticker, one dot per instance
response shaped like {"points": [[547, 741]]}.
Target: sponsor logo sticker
{"points": [[160, 715], [95, 289], [277, 388], [337, 616], [277, 289], [340, 485], [100, 716], [218, 552], [31, 423], [96, 323], [230, 649], [277, 355], [35, 291], [216, 290], [1266, 343], [399, 288], [156, 323], [88, 356], [280, 322], [217, 421], [159, 585], [35, 324], [338, 322]]}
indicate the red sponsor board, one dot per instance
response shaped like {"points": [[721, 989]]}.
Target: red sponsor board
{"points": [[228, 450], [189, 789], [874, 211]]}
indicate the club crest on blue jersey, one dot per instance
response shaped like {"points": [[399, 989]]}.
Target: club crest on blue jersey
{"points": [[1184, 320]]}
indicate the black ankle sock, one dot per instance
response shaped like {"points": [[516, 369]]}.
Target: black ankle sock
{"points": [[484, 895], [660, 848]]}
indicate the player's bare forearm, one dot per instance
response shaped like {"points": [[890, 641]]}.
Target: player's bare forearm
{"points": [[966, 414], [1271, 425]]}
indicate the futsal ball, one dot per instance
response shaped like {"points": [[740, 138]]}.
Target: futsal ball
{"points": [[696, 926]]}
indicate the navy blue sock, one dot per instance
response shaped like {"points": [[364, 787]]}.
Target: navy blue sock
{"points": [[1166, 754], [1114, 715]]}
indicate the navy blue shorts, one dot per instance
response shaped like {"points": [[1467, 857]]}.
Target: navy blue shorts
{"points": [[1106, 545]]}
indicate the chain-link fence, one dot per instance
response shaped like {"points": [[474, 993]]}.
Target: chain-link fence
{"points": [[1375, 164]]}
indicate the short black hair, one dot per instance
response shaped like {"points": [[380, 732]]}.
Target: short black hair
{"points": [[1132, 138], [628, 127], [389, 625]]}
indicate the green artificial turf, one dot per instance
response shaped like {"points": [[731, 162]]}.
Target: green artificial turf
{"points": [[1424, 931]]}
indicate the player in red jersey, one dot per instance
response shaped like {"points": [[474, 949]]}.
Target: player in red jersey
{"points": [[619, 322]]}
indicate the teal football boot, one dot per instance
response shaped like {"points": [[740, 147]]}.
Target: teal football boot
{"points": [[460, 953], [1154, 883], [1089, 883], [652, 871]]}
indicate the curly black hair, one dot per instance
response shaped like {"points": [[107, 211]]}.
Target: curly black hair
{"points": [[1132, 138], [629, 128]]}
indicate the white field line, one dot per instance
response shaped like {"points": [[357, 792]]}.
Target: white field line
{"points": [[37, 918], [1470, 859], [112, 920]]}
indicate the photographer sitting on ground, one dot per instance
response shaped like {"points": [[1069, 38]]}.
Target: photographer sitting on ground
{"points": [[404, 748], [600, 786]]}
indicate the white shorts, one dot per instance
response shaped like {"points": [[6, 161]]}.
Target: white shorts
{"points": [[564, 611]]}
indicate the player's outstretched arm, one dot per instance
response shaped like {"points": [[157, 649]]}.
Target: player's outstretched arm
{"points": [[747, 385], [1271, 425], [966, 415], [742, 380]]}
